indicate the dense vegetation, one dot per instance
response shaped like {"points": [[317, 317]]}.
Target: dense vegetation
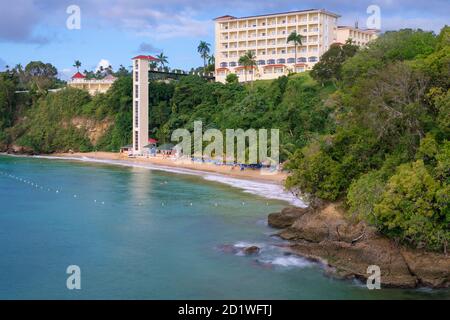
{"points": [[369, 127], [389, 158]]}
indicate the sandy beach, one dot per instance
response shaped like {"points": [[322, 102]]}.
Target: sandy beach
{"points": [[247, 174]]}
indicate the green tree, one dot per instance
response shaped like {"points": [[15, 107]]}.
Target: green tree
{"points": [[415, 208], [248, 61], [162, 59], [232, 78], [296, 38], [204, 49], [77, 65], [40, 76], [330, 64]]}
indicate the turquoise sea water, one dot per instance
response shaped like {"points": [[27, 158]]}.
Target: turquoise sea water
{"points": [[143, 234]]}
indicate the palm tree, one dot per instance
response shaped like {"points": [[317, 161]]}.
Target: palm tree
{"points": [[153, 65], [162, 59], [211, 64], [296, 38], [248, 60], [203, 49], [77, 65]]}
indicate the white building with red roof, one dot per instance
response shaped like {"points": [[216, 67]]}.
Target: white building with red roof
{"points": [[93, 86]]}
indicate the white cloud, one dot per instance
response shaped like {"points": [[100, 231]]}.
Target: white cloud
{"points": [[158, 24], [102, 63]]}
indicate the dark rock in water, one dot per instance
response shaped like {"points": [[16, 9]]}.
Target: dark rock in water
{"points": [[286, 217], [251, 250], [349, 248]]}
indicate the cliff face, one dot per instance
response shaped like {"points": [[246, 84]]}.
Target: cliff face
{"points": [[325, 235], [95, 129]]}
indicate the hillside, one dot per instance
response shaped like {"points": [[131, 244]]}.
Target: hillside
{"points": [[368, 127]]}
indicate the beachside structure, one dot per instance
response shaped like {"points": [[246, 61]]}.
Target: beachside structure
{"points": [[140, 103], [93, 86], [266, 36]]}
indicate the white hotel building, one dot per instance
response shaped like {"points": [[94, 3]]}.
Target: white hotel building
{"points": [[266, 36]]}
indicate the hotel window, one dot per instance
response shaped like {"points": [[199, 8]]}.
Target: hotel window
{"points": [[281, 61], [278, 70], [136, 64], [136, 114], [136, 140], [136, 76], [291, 60], [232, 64], [312, 59], [302, 59], [271, 61], [261, 62], [136, 91], [223, 64]]}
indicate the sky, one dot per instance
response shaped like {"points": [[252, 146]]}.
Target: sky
{"points": [[111, 32]]}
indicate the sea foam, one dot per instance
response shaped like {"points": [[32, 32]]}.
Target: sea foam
{"points": [[261, 188]]}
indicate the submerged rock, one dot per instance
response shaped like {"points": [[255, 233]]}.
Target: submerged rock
{"points": [[251, 250]]}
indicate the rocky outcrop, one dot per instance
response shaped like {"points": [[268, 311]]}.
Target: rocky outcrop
{"points": [[350, 248], [286, 217]]}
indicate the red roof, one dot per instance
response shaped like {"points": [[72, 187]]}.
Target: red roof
{"points": [[274, 65], [245, 67], [142, 57], [222, 69], [152, 141], [301, 65], [78, 75]]}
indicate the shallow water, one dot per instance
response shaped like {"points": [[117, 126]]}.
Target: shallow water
{"points": [[144, 234]]}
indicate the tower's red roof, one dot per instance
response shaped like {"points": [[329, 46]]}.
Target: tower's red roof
{"points": [[152, 141], [142, 57], [78, 75]]}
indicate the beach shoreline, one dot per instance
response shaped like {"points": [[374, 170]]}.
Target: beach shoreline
{"points": [[207, 168], [268, 186]]}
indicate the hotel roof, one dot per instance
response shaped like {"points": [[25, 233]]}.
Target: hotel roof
{"points": [[142, 57], [359, 29], [228, 17], [78, 75]]}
